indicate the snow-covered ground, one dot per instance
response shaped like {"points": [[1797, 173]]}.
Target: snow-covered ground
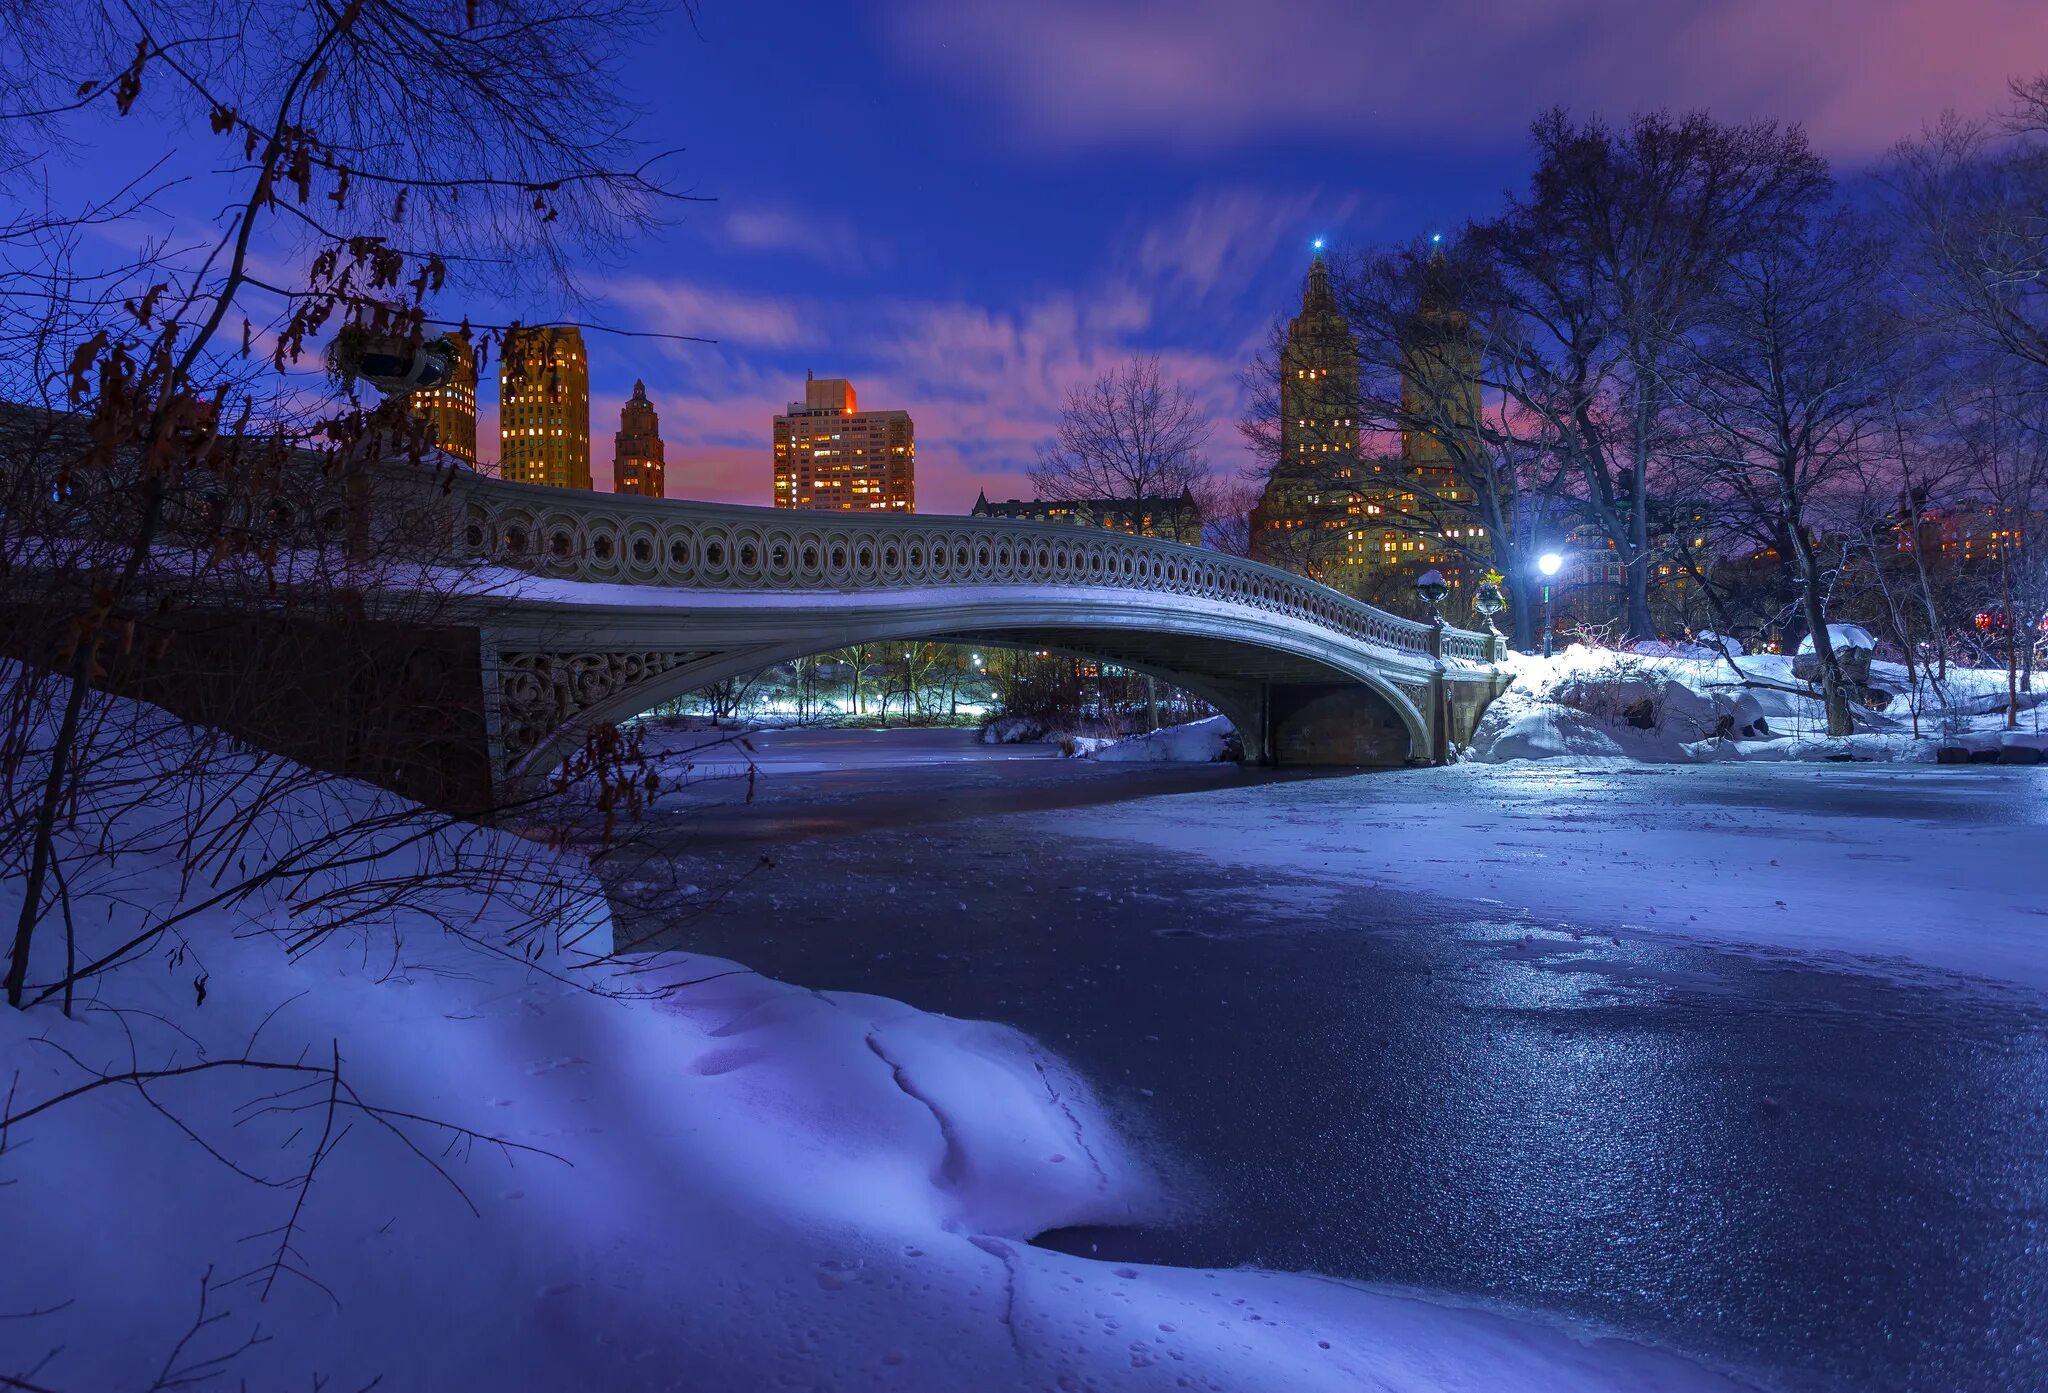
{"points": [[1692, 707], [470, 1162], [1851, 860]]}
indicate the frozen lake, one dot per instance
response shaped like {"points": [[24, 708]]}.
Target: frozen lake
{"points": [[1609, 1098]]}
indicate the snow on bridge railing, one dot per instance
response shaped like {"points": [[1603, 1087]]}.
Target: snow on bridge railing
{"points": [[621, 540]]}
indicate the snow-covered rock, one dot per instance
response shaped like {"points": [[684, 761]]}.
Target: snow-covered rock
{"points": [[1594, 704], [1012, 730], [1843, 638]]}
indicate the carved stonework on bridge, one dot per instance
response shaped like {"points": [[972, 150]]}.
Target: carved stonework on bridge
{"points": [[615, 540], [539, 693]]}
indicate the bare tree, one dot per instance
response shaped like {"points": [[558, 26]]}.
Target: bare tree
{"points": [[1227, 502], [1130, 434], [1971, 200], [168, 442], [1423, 318], [2005, 439], [178, 411], [1606, 263], [1785, 383]]}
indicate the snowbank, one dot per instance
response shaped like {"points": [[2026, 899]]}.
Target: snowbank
{"points": [[1668, 707], [1206, 741], [471, 1167], [1843, 636]]}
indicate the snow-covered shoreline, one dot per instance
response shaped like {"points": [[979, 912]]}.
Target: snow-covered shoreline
{"points": [[735, 1184], [1586, 705]]}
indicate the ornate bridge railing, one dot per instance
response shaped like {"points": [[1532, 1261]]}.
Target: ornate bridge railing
{"points": [[620, 540]]}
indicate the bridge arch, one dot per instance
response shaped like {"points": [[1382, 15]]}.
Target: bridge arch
{"points": [[555, 689]]}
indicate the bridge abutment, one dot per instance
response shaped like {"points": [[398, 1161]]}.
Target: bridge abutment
{"points": [[1323, 723]]}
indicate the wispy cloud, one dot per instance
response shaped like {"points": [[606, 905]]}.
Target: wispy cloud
{"points": [[984, 381], [1197, 74], [701, 311], [825, 239]]}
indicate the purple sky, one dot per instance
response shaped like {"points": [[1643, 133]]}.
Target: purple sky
{"points": [[970, 207]]}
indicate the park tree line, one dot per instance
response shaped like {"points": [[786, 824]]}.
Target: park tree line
{"points": [[1774, 395]]}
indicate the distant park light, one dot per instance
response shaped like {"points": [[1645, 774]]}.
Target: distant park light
{"points": [[1317, 244]]}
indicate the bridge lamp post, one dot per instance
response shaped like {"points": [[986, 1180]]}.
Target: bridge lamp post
{"points": [[1549, 564], [1431, 588]]}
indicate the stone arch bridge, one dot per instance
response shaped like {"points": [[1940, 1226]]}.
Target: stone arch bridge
{"points": [[589, 608]]}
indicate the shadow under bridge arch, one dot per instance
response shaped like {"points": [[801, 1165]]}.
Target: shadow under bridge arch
{"points": [[1296, 695]]}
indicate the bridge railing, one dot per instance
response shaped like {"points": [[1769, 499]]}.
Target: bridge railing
{"points": [[622, 540]]}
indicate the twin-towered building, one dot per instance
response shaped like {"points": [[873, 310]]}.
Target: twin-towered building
{"points": [[1357, 522]]}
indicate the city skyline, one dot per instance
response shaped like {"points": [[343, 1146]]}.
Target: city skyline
{"points": [[1016, 258]]}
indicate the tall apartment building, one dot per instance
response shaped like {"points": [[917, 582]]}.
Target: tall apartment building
{"points": [[638, 465], [1308, 516], [544, 407], [451, 407], [831, 454]]}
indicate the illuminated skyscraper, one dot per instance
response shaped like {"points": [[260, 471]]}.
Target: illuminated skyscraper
{"points": [[1306, 517], [451, 407], [637, 462], [831, 454], [544, 407], [1365, 524]]}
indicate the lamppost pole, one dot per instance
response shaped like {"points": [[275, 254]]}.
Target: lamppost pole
{"points": [[1548, 563], [1432, 588]]}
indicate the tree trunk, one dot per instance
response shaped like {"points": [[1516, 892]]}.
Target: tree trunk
{"points": [[1833, 690], [2012, 643], [1638, 624]]}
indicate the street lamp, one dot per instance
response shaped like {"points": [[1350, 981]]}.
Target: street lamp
{"points": [[1549, 564]]}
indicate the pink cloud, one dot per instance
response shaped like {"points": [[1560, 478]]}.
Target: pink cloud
{"points": [[683, 307], [1200, 73], [985, 383]]}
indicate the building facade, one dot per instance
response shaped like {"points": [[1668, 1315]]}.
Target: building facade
{"points": [[544, 407], [1307, 512], [830, 454], [638, 462], [450, 409], [1179, 519]]}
